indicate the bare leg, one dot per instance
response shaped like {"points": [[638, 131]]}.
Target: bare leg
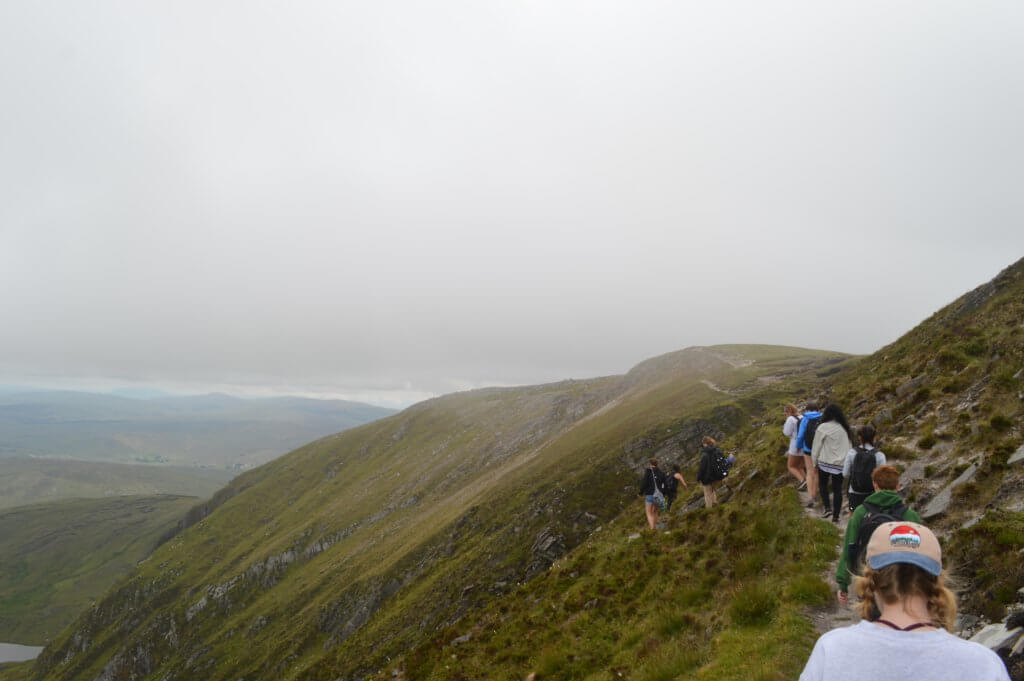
{"points": [[812, 477], [795, 464], [652, 514]]}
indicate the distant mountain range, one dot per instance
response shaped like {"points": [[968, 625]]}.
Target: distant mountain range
{"points": [[216, 431]]}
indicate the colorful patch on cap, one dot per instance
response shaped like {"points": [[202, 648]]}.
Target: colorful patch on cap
{"points": [[905, 536]]}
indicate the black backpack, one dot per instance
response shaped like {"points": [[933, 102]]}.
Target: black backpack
{"points": [[671, 486], [719, 465], [863, 466], [874, 516], [812, 428]]}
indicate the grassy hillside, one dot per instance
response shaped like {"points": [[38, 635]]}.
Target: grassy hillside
{"points": [[57, 558], [330, 560], [27, 481], [724, 594]]}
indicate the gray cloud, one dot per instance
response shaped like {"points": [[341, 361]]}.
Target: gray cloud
{"points": [[399, 199]]}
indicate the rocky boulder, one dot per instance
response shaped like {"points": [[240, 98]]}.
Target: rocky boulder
{"points": [[940, 504]]}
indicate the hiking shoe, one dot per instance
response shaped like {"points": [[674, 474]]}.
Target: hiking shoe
{"points": [[802, 486], [810, 504], [826, 513]]}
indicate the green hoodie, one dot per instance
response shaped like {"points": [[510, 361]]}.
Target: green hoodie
{"points": [[882, 499]]}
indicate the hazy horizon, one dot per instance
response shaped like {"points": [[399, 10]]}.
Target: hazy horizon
{"points": [[388, 202]]}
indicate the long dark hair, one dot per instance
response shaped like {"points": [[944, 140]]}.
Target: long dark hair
{"points": [[834, 413]]}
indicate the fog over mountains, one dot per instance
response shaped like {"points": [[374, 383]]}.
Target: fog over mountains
{"points": [[209, 431]]}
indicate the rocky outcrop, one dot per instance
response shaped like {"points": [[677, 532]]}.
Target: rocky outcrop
{"points": [[1007, 640], [940, 504], [548, 547]]}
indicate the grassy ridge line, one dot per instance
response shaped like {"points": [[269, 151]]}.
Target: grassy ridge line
{"points": [[56, 558]]}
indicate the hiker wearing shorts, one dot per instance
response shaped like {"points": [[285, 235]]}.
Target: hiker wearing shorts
{"points": [[910, 639], [794, 457], [652, 489], [803, 445]]}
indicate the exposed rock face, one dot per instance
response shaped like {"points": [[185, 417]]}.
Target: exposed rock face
{"points": [[1007, 640], [911, 385], [547, 548], [940, 503], [1017, 457], [998, 637]]}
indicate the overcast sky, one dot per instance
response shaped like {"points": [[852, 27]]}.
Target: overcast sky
{"points": [[389, 200]]}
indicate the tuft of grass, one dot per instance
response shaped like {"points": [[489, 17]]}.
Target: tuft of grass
{"points": [[674, 622], [1000, 423], [952, 359], [809, 590], [974, 348], [671, 662], [927, 442], [1005, 379], [753, 605]]}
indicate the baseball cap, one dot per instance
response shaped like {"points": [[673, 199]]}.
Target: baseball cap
{"points": [[904, 542]]}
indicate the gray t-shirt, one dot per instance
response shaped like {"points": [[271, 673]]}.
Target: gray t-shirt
{"points": [[869, 652]]}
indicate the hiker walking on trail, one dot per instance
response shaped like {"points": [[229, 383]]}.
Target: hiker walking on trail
{"points": [[794, 457], [804, 439], [714, 466], [860, 464], [672, 486], [911, 639], [828, 453], [652, 489], [882, 506]]}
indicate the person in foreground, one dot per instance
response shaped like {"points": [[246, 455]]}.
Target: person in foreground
{"points": [[903, 578]]}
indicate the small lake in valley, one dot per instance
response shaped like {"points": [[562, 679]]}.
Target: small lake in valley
{"points": [[12, 652]]}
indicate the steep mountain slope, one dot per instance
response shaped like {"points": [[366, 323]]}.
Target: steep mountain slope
{"points": [[486, 535], [948, 399], [28, 481], [207, 430], [56, 558], [330, 560]]}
